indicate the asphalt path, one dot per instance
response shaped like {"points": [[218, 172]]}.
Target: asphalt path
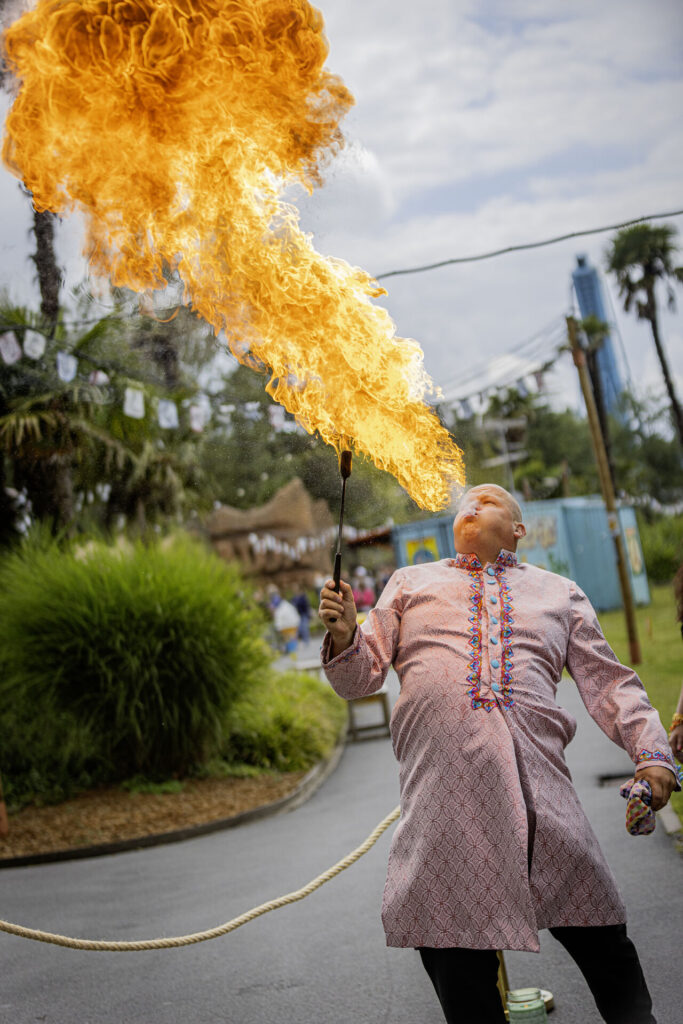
{"points": [[322, 960]]}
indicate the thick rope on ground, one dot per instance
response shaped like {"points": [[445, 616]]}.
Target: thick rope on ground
{"points": [[103, 945]]}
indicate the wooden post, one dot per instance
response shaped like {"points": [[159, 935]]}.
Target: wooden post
{"points": [[607, 489]]}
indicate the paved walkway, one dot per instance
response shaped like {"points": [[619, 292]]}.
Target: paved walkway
{"points": [[321, 961]]}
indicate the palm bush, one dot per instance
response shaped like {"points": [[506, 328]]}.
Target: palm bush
{"points": [[120, 661]]}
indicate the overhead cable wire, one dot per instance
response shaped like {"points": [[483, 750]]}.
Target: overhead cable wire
{"points": [[543, 353], [526, 245], [544, 361], [530, 349], [9, 325]]}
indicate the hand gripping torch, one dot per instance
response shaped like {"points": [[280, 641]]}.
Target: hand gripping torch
{"points": [[345, 471]]}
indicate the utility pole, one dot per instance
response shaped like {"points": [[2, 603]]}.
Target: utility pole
{"points": [[607, 489]]}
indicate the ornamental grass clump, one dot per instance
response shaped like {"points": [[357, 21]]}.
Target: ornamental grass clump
{"points": [[286, 722], [126, 659]]}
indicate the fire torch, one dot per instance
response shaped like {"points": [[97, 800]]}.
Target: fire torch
{"points": [[345, 472]]}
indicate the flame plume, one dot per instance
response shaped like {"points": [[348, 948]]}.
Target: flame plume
{"points": [[175, 125]]}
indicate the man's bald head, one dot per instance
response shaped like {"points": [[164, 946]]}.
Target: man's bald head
{"points": [[488, 520], [511, 502]]}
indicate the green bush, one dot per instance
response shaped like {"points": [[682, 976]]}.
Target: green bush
{"points": [[287, 722], [119, 662], [662, 543]]}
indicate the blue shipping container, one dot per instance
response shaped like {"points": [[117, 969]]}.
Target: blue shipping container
{"points": [[569, 536]]}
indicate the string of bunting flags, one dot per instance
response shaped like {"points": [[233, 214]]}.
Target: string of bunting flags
{"points": [[533, 381], [521, 384], [67, 364], [265, 543], [199, 408], [33, 347]]}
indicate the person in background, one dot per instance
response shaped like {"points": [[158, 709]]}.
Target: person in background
{"points": [[303, 607], [363, 591], [286, 619], [676, 734]]}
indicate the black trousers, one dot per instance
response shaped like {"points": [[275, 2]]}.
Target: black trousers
{"points": [[465, 979]]}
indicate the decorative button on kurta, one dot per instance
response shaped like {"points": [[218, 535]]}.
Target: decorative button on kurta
{"points": [[493, 600], [494, 639], [495, 686], [495, 663], [491, 571], [494, 620], [491, 582]]}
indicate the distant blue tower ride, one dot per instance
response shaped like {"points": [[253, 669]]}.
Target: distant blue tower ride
{"points": [[589, 293]]}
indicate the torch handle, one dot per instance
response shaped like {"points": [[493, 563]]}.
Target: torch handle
{"points": [[345, 471], [337, 575], [337, 571]]}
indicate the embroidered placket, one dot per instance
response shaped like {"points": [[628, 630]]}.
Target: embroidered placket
{"points": [[474, 674], [506, 623], [494, 575]]}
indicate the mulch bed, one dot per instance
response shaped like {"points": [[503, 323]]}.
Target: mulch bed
{"points": [[111, 815]]}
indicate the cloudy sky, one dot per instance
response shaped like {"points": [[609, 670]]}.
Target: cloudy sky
{"points": [[481, 124]]}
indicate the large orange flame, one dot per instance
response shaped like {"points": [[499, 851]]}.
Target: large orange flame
{"points": [[175, 125]]}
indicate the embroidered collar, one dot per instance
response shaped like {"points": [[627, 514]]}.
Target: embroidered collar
{"points": [[472, 563]]}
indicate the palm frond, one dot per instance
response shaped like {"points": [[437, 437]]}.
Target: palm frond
{"points": [[19, 426]]}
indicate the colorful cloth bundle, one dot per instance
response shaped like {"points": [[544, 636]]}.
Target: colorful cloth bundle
{"points": [[640, 818]]}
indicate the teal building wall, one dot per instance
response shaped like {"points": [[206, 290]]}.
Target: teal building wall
{"points": [[569, 536]]}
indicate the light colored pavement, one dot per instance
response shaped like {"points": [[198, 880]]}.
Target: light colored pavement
{"points": [[320, 961]]}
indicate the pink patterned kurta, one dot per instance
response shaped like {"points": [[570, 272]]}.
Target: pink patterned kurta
{"points": [[480, 744]]}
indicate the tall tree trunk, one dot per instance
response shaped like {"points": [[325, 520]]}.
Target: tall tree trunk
{"points": [[676, 412], [58, 501], [8, 516], [49, 485], [49, 277]]}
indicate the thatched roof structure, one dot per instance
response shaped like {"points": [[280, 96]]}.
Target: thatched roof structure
{"points": [[287, 541]]}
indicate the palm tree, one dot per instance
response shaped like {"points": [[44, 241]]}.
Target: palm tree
{"points": [[639, 257], [49, 274]]}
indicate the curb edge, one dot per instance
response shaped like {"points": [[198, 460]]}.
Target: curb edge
{"points": [[303, 792]]}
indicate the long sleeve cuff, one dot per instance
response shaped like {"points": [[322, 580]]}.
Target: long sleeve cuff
{"points": [[649, 758], [326, 650]]}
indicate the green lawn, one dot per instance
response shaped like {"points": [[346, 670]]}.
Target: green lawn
{"points": [[662, 666]]}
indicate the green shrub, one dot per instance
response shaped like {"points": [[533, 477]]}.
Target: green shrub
{"points": [[662, 543], [120, 662], [45, 755], [287, 722]]}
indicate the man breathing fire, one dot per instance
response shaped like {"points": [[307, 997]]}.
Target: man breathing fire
{"points": [[493, 844]]}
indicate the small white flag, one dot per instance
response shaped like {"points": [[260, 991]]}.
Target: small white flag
{"points": [[204, 402], [134, 403], [196, 418], [276, 415], [9, 348], [67, 365], [34, 344], [167, 414], [99, 378]]}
